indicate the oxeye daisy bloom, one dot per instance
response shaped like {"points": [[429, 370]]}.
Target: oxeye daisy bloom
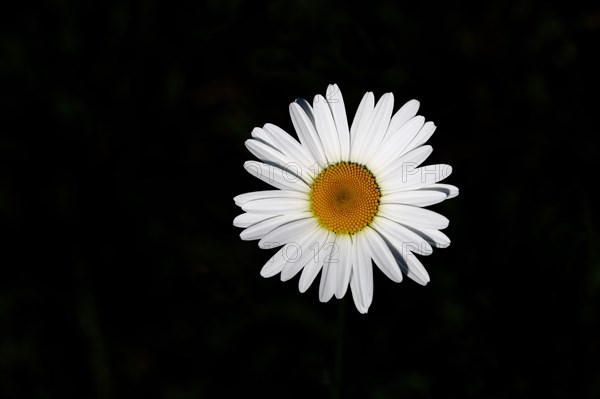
{"points": [[346, 197]]}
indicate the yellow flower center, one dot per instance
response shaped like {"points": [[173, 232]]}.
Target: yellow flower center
{"points": [[344, 197]]}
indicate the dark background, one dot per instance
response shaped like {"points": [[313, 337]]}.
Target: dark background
{"points": [[123, 128]]}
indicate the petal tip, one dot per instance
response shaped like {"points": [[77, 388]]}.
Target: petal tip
{"points": [[265, 273]]}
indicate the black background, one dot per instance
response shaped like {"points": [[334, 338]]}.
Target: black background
{"points": [[123, 143]]}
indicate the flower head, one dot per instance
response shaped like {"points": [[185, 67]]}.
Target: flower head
{"points": [[346, 196]]}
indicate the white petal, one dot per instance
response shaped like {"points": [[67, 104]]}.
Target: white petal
{"points": [[277, 261], [409, 161], [355, 289], [378, 125], [450, 190], [412, 179], [327, 283], [257, 195], [413, 216], [291, 148], [403, 115], [289, 253], [278, 206], [248, 219], [402, 236], [401, 246], [381, 254], [412, 266], [416, 198], [260, 134], [259, 230], [330, 273], [326, 129], [268, 154], [416, 156], [424, 134], [276, 176], [345, 265], [338, 110], [361, 281], [433, 237], [289, 232], [358, 131], [307, 133], [307, 110], [313, 267], [395, 145], [307, 250]]}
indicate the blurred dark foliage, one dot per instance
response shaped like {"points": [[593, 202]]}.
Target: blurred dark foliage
{"points": [[123, 128]]}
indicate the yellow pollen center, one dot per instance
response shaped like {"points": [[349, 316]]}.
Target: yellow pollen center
{"points": [[344, 197]]}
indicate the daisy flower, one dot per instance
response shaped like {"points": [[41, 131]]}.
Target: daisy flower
{"points": [[346, 197]]}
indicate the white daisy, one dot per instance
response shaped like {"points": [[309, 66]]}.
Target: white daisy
{"points": [[346, 196]]}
